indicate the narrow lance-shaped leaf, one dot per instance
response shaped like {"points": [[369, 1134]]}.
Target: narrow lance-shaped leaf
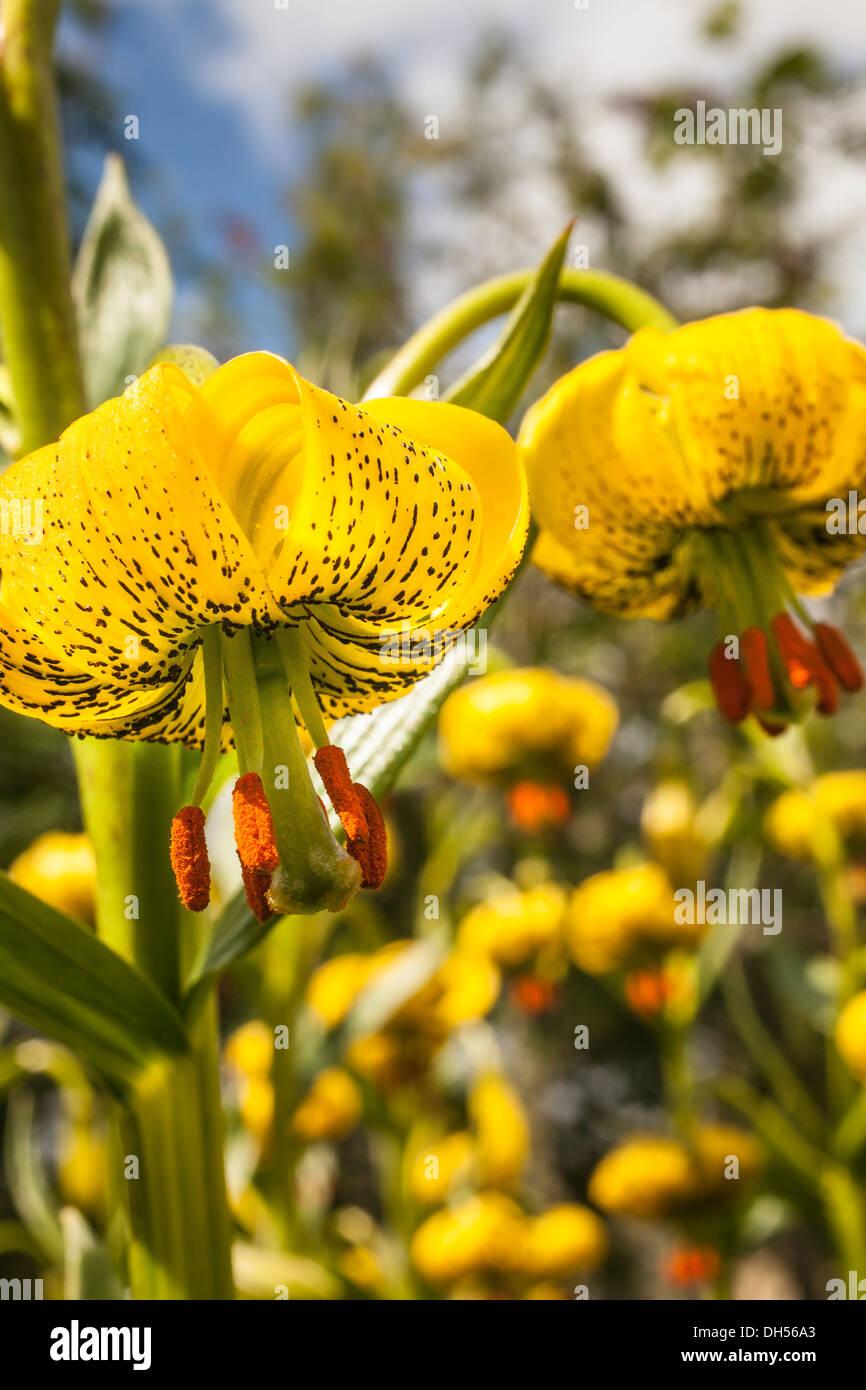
{"points": [[495, 384], [378, 745], [122, 288], [60, 979]]}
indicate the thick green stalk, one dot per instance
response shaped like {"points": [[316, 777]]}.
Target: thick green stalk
{"points": [[179, 1241], [38, 319], [178, 1216], [610, 296]]}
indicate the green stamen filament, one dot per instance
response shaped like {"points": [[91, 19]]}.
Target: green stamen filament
{"points": [[213, 719], [297, 671], [243, 699]]}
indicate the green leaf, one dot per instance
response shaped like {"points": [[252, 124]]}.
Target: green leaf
{"points": [[122, 288], [495, 384], [60, 979]]}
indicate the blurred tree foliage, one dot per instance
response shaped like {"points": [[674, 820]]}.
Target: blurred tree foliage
{"points": [[376, 198]]}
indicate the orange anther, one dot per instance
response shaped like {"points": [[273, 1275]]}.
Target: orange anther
{"points": [[371, 852], [730, 686], [254, 837], [839, 657], [753, 645], [189, 858], [333, 769], [254, 828]]}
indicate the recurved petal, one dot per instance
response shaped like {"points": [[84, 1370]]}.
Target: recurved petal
{"points": [[609, 490], [37, 680], [137, 549], [764, 399], [487, 454], [349, 509]]}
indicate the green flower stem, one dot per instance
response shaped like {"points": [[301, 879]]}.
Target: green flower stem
{"points": [[179, 1240], [677, 1075], [38, 319], [610, 296]]}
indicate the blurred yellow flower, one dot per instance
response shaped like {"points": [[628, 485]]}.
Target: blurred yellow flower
{"points": [[362, 1267], [527, 719], [480, 1235], [512, 926], [82, 1167], [672, 829], [462, 988], [613, 915], [798, 819], [649, 1175], [501, 1130], [256, 1106], [436, 1168], [714, 1146], [489, 1234], [562, 1240], [644, 1176], [330, 1110], [250, 1049], [850, 1035], [60, 869]]}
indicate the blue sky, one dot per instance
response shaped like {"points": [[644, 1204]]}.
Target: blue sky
{"points": [[211, 80]]}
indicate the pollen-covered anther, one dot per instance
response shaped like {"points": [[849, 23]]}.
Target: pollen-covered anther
{"points": [[805, 664], [254, 837], [729, 683], [839, 657], [344, 795], [371, 853], [189, 858], [756, 660]]}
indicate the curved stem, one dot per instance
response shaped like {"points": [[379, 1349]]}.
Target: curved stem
{"points": [[36, 310], [609, 295]]}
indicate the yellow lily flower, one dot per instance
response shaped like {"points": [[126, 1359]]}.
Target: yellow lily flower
{"points": [[649, 1176], [210, 556], [807, 824], [699, 468], [524, 721]]}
